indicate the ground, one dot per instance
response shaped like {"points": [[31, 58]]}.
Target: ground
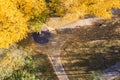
{"points": [[91, 50], [85, 53]]}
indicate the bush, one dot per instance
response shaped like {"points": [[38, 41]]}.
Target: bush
{"points": [[21, 75], [13, 58]]}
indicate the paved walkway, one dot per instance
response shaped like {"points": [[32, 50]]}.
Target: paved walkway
{"points": [[57, 41], [58, 68], [112, 72], [53, 50], [55, 46]]}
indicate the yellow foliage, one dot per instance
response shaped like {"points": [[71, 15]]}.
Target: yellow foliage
{"points": [[80, 8], [13, 25], [30, 7], [14, 19], [15, 15]]}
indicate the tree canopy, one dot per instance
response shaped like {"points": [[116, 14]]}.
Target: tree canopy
{"points": [[19, 17], [80, 8], [14, 19]]}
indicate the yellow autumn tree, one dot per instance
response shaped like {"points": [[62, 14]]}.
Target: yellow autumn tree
{"points": [[80, 8], [30, 8], [18, 17], [14, 19]]}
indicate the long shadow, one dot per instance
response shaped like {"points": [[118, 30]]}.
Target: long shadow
{"points": [[99, 32], [92, 48]]}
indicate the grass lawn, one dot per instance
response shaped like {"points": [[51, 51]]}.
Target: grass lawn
{"points": [[91, 50]]}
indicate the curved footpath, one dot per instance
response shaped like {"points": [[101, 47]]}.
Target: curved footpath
{"points": [[57, 42]]}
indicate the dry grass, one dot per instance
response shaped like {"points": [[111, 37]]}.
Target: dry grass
{"points": [[92, 49]]}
